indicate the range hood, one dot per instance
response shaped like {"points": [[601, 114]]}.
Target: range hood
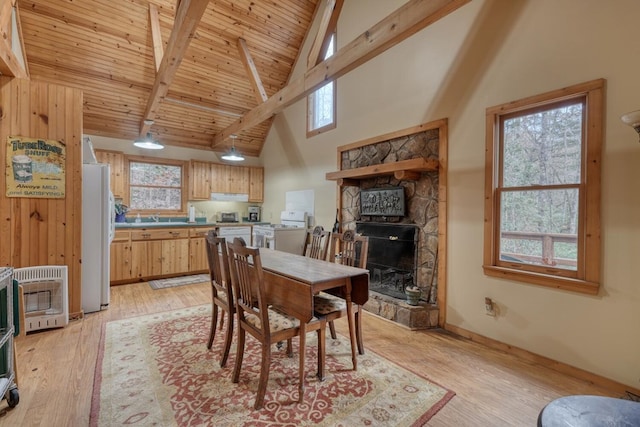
{"points": [[229, 197]]}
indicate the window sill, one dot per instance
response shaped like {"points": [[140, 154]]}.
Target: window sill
{"points": [[556, 282]]}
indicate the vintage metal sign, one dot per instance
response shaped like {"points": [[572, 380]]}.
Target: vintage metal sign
{"points": [[382, 201], [35, 168]]}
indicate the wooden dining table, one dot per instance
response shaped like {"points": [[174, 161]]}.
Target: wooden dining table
{"points": [[292, 280]]}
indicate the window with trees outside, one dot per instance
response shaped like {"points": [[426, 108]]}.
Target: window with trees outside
{"points": [[155, 186], [321, 104], [542, 188]]}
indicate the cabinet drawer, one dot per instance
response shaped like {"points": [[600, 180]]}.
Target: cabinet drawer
{"points": [[167, 233], [199, 232], [121, 236]]}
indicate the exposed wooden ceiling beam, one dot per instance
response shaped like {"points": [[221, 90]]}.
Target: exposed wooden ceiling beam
{"points": [[12, 59], [328, 25], [5, 17], [407, 20], [250, 66], [156, 35], [187, 19]]}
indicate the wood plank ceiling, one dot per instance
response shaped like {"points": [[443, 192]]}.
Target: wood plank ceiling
{"points": [[106, 48]]}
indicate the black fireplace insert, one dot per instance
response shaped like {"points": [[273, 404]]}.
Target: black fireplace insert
{"points": [[392, 256]]}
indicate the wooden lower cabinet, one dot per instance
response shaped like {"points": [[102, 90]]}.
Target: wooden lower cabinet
{"points": [[151, 253], [198, 261], [120, 255], [146, 259], [175, 256]]}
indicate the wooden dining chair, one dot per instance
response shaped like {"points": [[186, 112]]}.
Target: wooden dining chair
{"points": [[316, 243], [267, 324], [350, 249], [221, 291]]}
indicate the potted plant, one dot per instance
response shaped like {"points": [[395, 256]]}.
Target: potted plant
{"points": [[413, 294], [121, 209]]}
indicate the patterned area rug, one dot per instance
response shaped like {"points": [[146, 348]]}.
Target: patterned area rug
{"points": [[178, 281], [156, 370]]}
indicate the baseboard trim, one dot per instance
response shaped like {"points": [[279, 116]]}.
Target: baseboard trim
{"points": [[544, 361]]}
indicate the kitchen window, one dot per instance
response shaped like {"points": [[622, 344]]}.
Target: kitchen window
{"points": [[542, 188], [321, 104], [156, 186]]}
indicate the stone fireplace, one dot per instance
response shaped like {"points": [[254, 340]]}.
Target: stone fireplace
{"points": [[418, 263]]}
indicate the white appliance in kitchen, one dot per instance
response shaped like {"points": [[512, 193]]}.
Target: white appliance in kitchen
{"points": [[288, 236], [98, 228], [230, 232]]}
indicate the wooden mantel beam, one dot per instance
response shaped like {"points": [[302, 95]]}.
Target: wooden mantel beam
{"points": [[188, 17], [402, 170], [407, 20]]}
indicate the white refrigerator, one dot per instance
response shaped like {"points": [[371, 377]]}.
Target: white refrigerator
{"points": [[97, 233]]}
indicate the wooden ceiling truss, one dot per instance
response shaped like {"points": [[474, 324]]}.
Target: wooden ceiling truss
{"points": [[224, 69]]}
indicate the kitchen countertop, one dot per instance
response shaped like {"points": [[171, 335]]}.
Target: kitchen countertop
{"points": [[179, 224]]}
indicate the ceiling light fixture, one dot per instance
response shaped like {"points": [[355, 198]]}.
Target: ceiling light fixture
{"points": [[632, 119], [233, 155], [148, 143]]}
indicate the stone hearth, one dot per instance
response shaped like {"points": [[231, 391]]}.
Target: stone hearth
{"points": [[422, 316]]}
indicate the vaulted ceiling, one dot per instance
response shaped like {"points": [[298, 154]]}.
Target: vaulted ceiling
{"points": [[106, 48], [192, 72]]}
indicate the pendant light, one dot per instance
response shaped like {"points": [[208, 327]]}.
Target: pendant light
{"points": [[632, 119], [148, 143], [233, 155]]}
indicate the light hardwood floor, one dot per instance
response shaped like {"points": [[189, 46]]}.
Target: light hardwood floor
{"points": [[56, 367]]}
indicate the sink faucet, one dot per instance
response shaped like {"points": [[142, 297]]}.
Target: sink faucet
{"points": [[155, 218]]}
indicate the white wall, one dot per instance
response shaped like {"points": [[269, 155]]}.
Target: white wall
{"points": [[487, 53]]}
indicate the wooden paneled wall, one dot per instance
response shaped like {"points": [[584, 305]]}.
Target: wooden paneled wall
{"points": [[43, 231]]}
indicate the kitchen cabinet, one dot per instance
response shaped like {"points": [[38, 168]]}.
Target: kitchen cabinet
{"points": [[159, 252], [218, 174], [256, 184], [146, 259], [206, 178], [115, 159], [198, 261], [120, 262], [175, 256], [144, 253], [238, 180], [199, 180]]}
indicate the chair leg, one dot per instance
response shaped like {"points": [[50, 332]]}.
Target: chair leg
{"points": [[289, 348], [322, 336], [264, 375], [358, 315], [214, 321], [332, 329], [228, 336], [239, 356], [303, 336]]}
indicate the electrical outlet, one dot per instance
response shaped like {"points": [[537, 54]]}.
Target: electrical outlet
{"points": [[489, 308]]}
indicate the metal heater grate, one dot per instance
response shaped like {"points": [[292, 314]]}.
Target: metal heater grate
{"points": [[46, 302]]}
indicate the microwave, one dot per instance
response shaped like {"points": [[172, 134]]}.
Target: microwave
{"points": [[227, 217]]}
